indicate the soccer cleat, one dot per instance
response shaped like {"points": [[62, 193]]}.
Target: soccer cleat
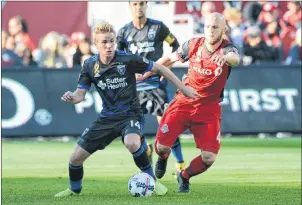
{"points": [[66, 193], [183, 184], [180, 166], [160, 167], [150, 152], [160, 189]]}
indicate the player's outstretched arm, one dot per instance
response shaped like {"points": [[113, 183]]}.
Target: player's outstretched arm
{"points": [[169, 75], [166, 61], [230, 56], [74, 97]]}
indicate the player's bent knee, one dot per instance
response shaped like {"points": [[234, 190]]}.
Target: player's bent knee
{"points": [[78, 156], [132, 142], [162, 148], [208, 157]]}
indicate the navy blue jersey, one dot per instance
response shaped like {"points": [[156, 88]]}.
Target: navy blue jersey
{"points": [[115, 82], [146, 42]]}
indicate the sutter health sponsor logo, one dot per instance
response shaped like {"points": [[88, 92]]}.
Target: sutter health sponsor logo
{"points": [[113, 83]]}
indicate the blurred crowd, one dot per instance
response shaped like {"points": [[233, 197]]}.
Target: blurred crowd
{"points": [[53, 51], [260, 31]]}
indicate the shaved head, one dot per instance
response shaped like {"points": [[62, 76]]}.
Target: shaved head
{"points": [[214, 28], [216, 18]]}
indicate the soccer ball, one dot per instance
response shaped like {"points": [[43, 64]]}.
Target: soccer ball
{"points": [[141, 185]]}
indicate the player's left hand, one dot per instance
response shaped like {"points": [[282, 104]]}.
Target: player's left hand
{"points": [[139, 77], [220, 60]]}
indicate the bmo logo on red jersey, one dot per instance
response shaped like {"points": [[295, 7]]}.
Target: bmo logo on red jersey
{"points": [[208, 72]]}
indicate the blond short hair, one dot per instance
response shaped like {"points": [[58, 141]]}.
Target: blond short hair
{"points": [[232, 14], [103, 27]]}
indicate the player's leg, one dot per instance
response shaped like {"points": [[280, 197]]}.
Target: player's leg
{"points": [[98, 136], [207, 139], [161, 101], [76, 171], [177, 152], [144, 99], [137, 147], [174, 122]]}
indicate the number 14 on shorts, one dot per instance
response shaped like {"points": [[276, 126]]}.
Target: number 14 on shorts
{"points": [[136, 123]]}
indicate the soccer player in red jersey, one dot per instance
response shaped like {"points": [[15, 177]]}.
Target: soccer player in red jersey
{"points": [[210, 61]]}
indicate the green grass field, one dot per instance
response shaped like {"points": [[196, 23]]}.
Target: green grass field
{"points": [[247, 172]]}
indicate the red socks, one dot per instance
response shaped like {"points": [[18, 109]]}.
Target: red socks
{"points": [[197, 166]]}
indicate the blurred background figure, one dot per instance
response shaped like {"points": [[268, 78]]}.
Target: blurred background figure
{"points": [[193, 8], [10, 43], [295, 53], [18, 28], [290, 22], [270, 13], [76, 38], [233, 4], [51, 52], [8, 56], [85, 49], [236, 27], [25, 54], [293, 17], [206, 8], [67, 50], [256, 50], [251, 12], [272, 38]]}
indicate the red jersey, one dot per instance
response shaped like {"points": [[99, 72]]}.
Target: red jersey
{"points": [[204, 75]]}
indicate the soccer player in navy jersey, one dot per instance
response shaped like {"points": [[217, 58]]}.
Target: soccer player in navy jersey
{"points": [[113, 75], [145, 37]]}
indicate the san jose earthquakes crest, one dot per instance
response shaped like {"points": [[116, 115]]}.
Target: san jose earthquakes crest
{"points": [[151, 34], [121, 69]]}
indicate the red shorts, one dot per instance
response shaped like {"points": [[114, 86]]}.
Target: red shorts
{"points": [[202, 120]]}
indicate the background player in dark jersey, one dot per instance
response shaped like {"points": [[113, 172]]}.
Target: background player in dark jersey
{"points": [[145, 37], [113, 74], [210, 60]]}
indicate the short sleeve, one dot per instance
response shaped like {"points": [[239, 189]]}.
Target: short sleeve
{"points": [[230, 48], [163, 32], [84, 81], [140, 64], [183, 52], [121, 42]]}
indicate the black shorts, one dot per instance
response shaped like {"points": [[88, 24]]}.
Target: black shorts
{"points": [[153, 101], [103, 131]]}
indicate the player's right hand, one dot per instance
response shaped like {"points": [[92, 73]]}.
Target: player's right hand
{"points": [[190, 92], [68, 97]]}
